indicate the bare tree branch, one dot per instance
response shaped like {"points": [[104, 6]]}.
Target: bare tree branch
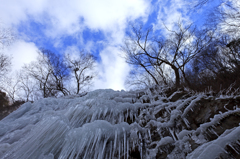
{"points": [[175, 51], [82, 66]]}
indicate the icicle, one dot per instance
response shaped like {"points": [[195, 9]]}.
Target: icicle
{"points": [[233, 148], [149, 133], [141, 145], [125, 142], [127, 148], [119, 150], [214, 132], [115, 142], [225, 107], [186, 122], [238, 142], [105, 112], [103, 149], [172, 133], [168, 110], [110, 154]]}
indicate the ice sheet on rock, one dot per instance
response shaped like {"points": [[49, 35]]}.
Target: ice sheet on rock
{"points": [[177, 92], [213, 149], [184, 133], [173, 116], [215, 120], [185, 103], [191, 105]]}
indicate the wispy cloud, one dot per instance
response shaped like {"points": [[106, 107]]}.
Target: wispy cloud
{"points": [[170, 12]]}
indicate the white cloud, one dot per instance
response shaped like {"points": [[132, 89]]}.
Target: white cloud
{"points": [[113, 69], [65, 17], [73, 51], [107, 13], [22, 53], [13, 12]]}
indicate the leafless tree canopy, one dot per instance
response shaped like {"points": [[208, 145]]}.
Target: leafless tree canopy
{"points": [[229, 14], [145, 50], [6, 37], [49, 72], [82, 68], [5, 63], [54, 74], [225, 16]]}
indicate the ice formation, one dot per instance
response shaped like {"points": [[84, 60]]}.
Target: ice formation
{"points": [[151, 123]]}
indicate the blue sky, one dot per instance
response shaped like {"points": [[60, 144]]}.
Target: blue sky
{"points": [[96, 26]]}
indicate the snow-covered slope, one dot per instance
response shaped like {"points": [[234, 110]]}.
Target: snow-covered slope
{"points": [[154, 123]]}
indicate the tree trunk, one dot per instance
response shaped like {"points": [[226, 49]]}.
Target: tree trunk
{"points": [[177, 76], [78, 87], [185, 78]]}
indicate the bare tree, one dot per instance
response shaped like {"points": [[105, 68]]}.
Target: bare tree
{"points": [[6, 37], [60, 71], [144, 49], [200, 3], [229, 15], [6, 84], [47, 72], [28, 87], [5, 63], [217, 66], [11, 87], [225, 16], [52, 73], [42, 74], [139, 79], [82, 68]]}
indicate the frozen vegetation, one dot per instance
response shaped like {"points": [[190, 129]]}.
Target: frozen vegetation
{"points": [[152, 123]]}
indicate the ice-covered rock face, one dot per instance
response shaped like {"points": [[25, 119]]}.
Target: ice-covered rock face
{"points": [[117, 124]]}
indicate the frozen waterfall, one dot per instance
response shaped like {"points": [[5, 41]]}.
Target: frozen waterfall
{"points": [[117, 124]]}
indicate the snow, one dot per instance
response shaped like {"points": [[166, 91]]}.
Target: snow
{"points": [[165, 141], [184, 133]]}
